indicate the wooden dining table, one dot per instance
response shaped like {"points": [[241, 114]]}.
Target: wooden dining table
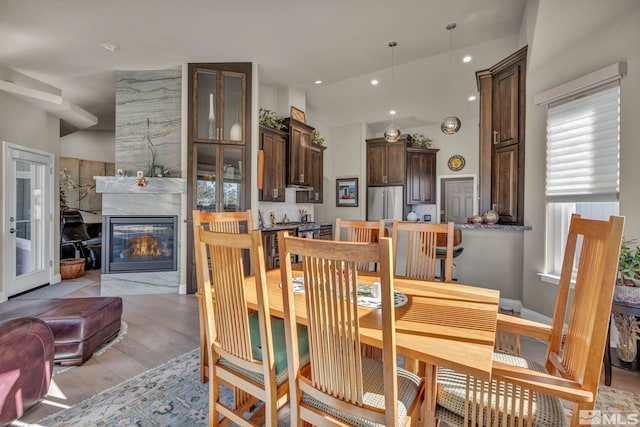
{"points": [[452, 326]]}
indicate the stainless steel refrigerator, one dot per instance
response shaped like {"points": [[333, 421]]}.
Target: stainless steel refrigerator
{"points": [[385, 203]]}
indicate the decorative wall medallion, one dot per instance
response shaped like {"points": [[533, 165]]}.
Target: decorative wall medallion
{"points": [[456, 162]]}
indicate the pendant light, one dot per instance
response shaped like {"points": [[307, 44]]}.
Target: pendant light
{"points": [[392, 132], [450, 124]]}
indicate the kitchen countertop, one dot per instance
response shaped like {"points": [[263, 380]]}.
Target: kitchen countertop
{"points": [[493, 227], [292, 226]]}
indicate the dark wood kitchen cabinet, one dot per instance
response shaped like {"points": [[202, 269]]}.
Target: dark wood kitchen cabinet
{"points": [[502, 131], [385, 162], [421, 175], [299, 153], [273, 144], [316, 177]]}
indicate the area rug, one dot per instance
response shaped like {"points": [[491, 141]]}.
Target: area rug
{"points": [[57, 290], [172, 395], [168, 395]]}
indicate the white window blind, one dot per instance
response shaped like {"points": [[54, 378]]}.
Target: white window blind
{"points": [[583, 138]]}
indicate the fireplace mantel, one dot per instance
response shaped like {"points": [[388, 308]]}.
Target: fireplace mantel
{"points": [[126, 185]]}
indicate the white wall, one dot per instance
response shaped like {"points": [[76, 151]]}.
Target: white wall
{"points": [[98, 145], [344, 157], [564, 49], [23, 124]]}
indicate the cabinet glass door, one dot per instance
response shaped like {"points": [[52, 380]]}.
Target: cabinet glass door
{"points": [[206, 105], [205, 157], [232, 183], [233, 111]]}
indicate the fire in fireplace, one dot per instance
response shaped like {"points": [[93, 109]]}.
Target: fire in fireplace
{"points": [[139, 243], [143, 246]]}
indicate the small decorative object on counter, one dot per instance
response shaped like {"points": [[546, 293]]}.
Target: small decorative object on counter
{"points": [[122, 172], [491, 217], [141, 181], [476, 219], [412, 216], [272, 218], [285, 219]]}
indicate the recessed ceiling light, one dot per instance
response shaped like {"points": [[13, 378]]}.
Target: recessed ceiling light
{"points": [[110, 46], [467, 58], [374, 82], [472, 98], [392, 112], [318, 82]]}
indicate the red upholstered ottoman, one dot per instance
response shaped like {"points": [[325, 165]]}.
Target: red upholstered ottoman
{"points": [[79, 325]]}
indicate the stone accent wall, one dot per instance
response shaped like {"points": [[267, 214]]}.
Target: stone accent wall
{"points": [[155, 95]]}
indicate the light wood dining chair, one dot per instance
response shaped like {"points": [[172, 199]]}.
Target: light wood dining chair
{"points": [[340, 386], [360, 231], [420, 249], [523, 391], [224, 222], [246, 351]]}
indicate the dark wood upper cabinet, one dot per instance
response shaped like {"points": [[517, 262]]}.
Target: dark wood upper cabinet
{"points": [[421, 175], [299, 153], [316, 177], [502, 130], [273, 144], [386, 162]]}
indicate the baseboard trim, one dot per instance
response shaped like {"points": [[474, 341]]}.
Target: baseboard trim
{"points": [[182, 289], [57, 278]]}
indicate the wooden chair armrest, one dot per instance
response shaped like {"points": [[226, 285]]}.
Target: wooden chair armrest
{"points": [[523, 327], [540, 381]]}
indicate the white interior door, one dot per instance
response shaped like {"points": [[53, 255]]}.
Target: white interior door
{"points": [[458, 195], [28, 213]]}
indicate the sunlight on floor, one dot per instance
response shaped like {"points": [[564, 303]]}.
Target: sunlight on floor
{"points": [[55, 392]]}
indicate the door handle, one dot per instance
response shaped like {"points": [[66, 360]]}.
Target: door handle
{"points": [[495, 137], [12, 230]]}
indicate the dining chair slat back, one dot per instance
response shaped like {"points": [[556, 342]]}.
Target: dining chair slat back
{"points": [[360, 231], [573, 363], [225, 222], [338, 376], [420, 249], [230, 347]]}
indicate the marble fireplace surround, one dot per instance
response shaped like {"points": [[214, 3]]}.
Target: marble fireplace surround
{"points": [[122, 196]]}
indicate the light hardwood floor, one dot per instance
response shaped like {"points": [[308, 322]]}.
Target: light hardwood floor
{"points": [[161, 327]]}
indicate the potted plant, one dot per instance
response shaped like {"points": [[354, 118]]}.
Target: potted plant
{"points": [[629, 263], [270, 119], [627, 292], [627, 285], [419, 140], [316, 138]]}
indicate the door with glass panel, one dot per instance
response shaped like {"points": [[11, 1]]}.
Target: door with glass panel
{"points": [[28, 216]]}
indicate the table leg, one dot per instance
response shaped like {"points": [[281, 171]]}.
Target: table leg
{"points": [[431, 386]]}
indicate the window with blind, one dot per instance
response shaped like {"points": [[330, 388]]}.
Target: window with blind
{"points": [[583, 165]]}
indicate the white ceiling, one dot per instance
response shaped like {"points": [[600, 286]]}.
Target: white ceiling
{"points": [[341, 42]]}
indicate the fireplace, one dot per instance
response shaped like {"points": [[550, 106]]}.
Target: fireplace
{"points": [[139, 244]]}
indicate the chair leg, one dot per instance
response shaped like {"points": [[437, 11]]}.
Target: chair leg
{"points": [[204, 354], [607, 357]]}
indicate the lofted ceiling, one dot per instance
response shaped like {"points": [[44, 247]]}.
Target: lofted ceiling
{"points": [[341, 42]]}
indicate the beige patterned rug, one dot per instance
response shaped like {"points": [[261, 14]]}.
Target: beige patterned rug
{"points": [[171, 395]]}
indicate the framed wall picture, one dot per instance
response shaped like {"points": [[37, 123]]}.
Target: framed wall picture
{"points": [[347, 192], [298, 115]]}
